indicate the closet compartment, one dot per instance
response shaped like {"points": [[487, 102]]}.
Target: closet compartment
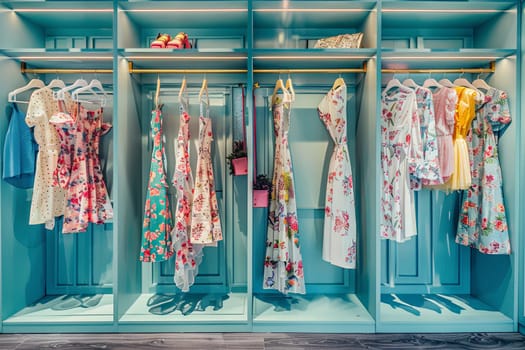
{"points": [[210, 25], [336, 299], [521, 281], [53, 281], [149, 300], [430, 283], [449, 24]]}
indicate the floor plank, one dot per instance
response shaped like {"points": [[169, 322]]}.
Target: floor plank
{"points": [[262, 341]]}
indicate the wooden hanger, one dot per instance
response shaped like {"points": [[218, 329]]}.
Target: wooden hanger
{"points": [[204, 90], [157, 94], [338, 82], [279, 85], [183, 92], [33, 84], [289, 87]]}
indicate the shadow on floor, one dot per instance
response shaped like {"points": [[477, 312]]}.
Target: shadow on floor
{"points": [[186, 303]]}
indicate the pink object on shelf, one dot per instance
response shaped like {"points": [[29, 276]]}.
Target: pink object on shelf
{"points": [[240, 166], [260, 198]]}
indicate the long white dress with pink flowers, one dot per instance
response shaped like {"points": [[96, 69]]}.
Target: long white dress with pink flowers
{"points": [[339, 239], [187, 255], [283, 265], [401, 149]]}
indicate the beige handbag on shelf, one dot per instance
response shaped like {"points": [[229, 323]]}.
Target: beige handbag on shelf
{"points": [[342, 41]]}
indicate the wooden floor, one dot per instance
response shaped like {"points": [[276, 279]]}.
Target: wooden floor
{"points": [[256, 341]]}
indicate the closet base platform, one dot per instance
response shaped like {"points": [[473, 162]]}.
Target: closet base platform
{"points": [[326, 313], [64, 313], [439, 313], [187, 312]]}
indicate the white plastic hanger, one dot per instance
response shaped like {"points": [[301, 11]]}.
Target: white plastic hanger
{"points": [[289, 87], [481, 84], [157, 94], [410, 83], [447, 83], [90, 88], [183, 94], [33, 84], [56, 83], [61, 94], [393, 83], [464, 82], [431, 82]]}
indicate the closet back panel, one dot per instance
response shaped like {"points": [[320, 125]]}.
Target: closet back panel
{"points": [[23, 245], [213, 272], [311, 148]]}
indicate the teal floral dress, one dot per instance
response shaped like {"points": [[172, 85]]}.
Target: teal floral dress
{"points": [[482, 220], [283, 266], [158, 222]]}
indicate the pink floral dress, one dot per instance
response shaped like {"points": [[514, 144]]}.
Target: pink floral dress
{"points": [[205, 220], [401, 150], [158, 222], [283, 265], [78, 168], [483, 220], [339, 239], [187, 255]]}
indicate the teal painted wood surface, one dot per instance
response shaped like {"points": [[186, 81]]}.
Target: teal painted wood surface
{"points": [[255, 31]]}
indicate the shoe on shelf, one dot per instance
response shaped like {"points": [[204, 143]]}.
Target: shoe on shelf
{"points": [[180, 41], [161, 41]]}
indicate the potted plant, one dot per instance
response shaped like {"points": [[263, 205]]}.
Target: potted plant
{"points": [[261, 191], [238, 159]]}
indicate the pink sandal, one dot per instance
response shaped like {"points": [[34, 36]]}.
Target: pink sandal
{"points": [[161, 41], [179, 42]]}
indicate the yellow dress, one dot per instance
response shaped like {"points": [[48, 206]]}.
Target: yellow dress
{"points": [[465, 113]]}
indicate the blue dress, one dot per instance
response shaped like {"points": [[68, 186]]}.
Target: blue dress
{"points": [[20, 151]]}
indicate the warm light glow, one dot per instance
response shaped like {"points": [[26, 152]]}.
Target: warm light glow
{"points": [[185, 10], [62, 10], [200, 58], [311, 10], [443, 10], [466, 58], [64, 58], [309, 57]]}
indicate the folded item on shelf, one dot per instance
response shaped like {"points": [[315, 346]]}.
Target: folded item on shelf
{"points": [[342, 41]]}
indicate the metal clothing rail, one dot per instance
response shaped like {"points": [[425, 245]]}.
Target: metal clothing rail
{"points": [[491, 69]]}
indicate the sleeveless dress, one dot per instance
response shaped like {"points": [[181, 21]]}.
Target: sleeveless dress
{"points": [[79, 170], [205, 220], [158, 223], [20, 150], [187, 256], [283, 265], [339, 238], [482, 220]]}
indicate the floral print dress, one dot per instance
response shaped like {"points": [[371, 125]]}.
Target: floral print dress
{"points": [[428, 171], [339, 239], [78, 168], [48, 201], [187, 255], [158, 222], [283, 265], [205, 220], [482, 220], [401, 149]]}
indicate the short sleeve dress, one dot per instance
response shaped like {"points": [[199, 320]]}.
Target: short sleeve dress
{"points": [[48, 201]]}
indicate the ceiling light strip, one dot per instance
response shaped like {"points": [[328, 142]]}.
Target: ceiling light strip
{"points": [[108, 10], [184, 10]]}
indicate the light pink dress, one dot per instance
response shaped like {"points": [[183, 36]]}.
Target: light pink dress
{"points": [[445, 100]]}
